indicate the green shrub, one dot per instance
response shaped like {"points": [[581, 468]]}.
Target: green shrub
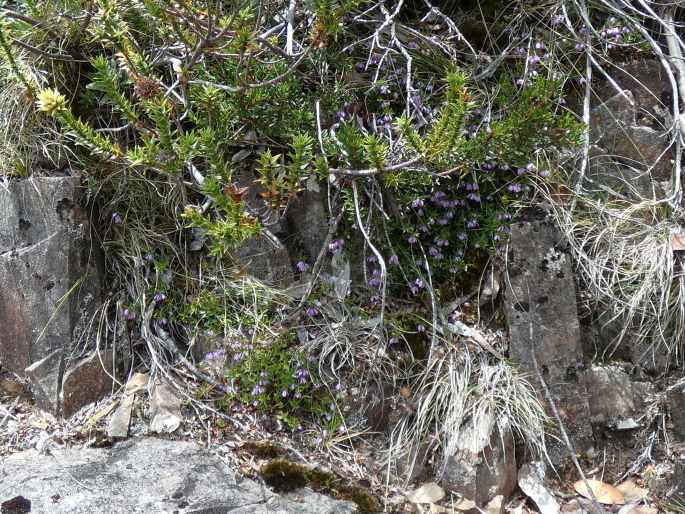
{"points": [[274, 378]]}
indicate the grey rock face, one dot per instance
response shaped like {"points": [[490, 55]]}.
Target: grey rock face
{"points": [[648, 83], [308, 219], [146, 476], [541, 296], [614, 395], [45, 253], [50, 280], [264, 258], [628, 156], [266, 261], [86, 381], [484, 465], [676, 402]]}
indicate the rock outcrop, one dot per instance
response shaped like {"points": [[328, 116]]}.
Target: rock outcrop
{"points": [[541, 312], [144, 476], [484, 465], [50, 290]]}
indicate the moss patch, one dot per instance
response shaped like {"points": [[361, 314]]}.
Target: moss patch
{"points": [[285, 476], [263, 449]]}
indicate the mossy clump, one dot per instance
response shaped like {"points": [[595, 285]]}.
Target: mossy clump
{"points": [[263, 449], [285, 476]]}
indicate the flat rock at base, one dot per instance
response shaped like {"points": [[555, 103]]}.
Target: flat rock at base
{"points": [[541, 297], [146, 475]]}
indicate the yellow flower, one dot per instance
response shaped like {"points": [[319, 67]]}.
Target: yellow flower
{"points": [[51, 101]]}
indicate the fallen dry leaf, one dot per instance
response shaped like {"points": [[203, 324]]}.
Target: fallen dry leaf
{"points": [[678, 242], [165, 409], [631, 491], [137, 383], [496, 505], [604, 493], [429, 492], [102, 413], [11, 387]]}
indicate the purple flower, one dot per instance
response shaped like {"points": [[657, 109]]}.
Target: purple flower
{"points": [[375, 282], [218, 354], [312, 312], [301, 376], [472, 224], [336, 245], [544, 173], [371, 258], [420, 328], [117, 219], [128, 314], [394, 260], [531, 167], [514, 188], [284, 393], [417, 204], [412, 240], [433, 251], [302, 266], [474, 197], [384, 90], [159, 298]]}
